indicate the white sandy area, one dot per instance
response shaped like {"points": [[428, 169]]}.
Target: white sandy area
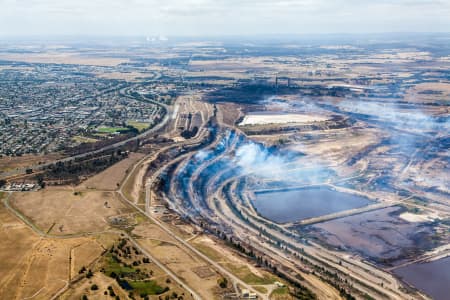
{"points": [[262, 119], [415, 218]]}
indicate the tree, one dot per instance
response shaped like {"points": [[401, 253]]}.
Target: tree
{"points": [[40, 181], [223, 282], [111, 291], [94, 287]]}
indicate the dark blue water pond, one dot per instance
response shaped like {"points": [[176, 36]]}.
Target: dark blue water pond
{"points": [[296, 205], [433, 277]]}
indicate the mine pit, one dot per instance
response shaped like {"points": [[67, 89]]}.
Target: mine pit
{"points": [[337, 180]]}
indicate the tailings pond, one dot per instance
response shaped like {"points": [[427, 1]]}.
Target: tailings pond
{"points": [[433, 277], [380, 235], [296, 205]]}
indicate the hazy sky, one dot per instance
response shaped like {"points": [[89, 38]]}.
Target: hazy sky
{"points": [[220, 17]]}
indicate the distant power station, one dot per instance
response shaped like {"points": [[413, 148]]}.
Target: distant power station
{"points": [[284, 80]]}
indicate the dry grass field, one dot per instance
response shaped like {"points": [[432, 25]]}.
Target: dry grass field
{"points": [[134, 186], [235, 263], [131, 76], [62, 58], [10, 163], [40, 267], [109, 178], [229, 113], [428, 92], [249, 273], [186, 264], [83, 287], [63, 211], [145, 277], [32, 266], [83, 255]]}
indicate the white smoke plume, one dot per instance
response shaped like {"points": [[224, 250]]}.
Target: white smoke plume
{"points": [[202, 155], [253, 158], [402, 118], [263, 162]]}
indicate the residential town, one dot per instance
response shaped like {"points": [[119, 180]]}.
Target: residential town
{"points": [[71, 108]]}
